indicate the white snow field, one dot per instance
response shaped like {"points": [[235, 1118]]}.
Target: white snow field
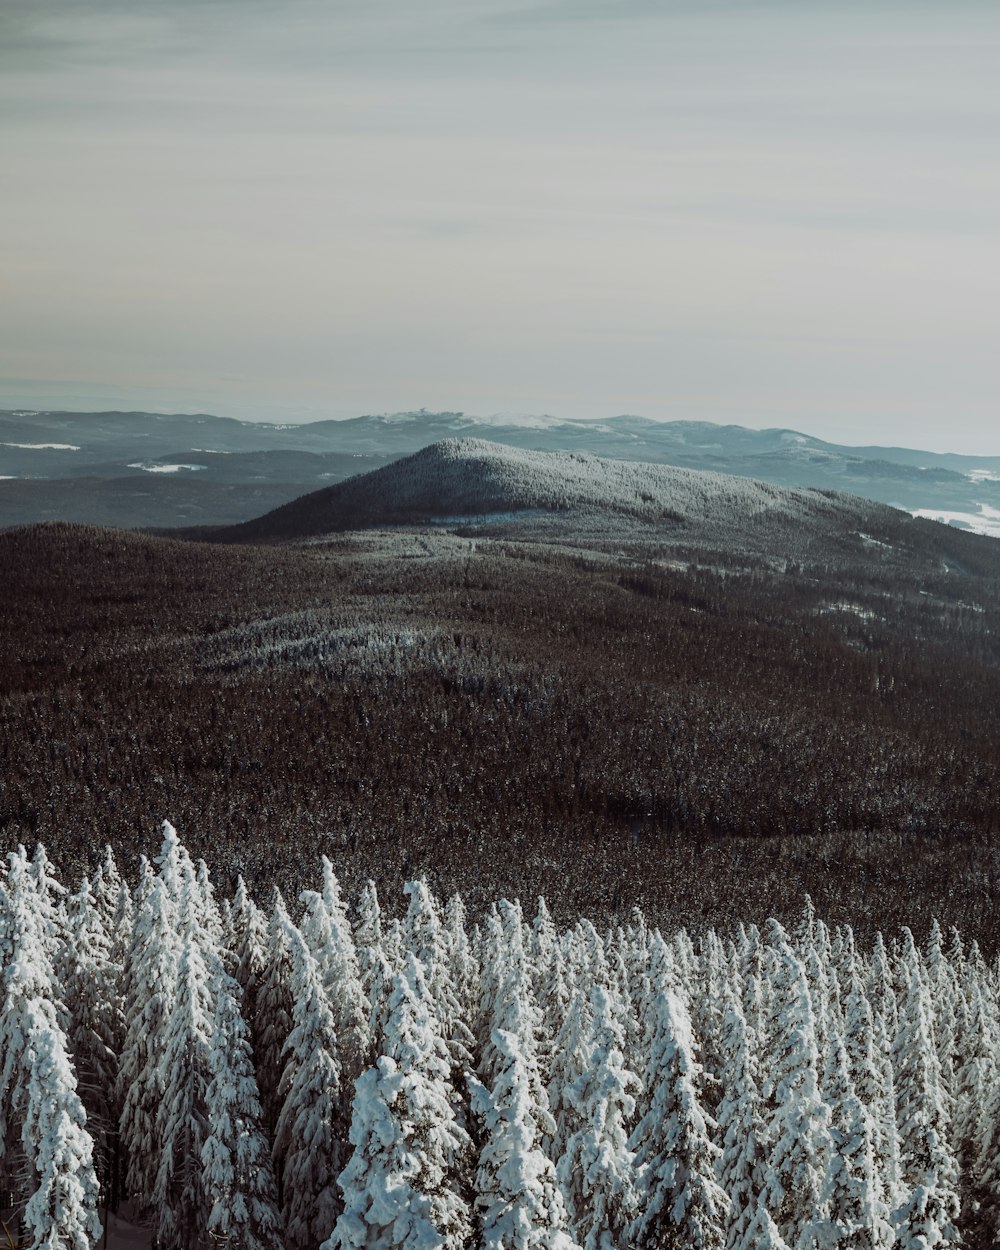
{"points": [[985, 521]]}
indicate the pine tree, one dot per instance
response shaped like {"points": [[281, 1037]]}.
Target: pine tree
{"points": [[404, 1185], [597, 1170], [798, 1128], [328, 934], [925, 1218], [96, 1025], [682, 1205], [271, 1022], [150, 990], [182, 1128], [38, 1087], [426, 938], [740, 1169], [853, 1193], [519, 1203], [310, 1136], [570, 1060], [237, 1174], [62, 1210]]}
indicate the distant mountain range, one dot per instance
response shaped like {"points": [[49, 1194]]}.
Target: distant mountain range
{"points": [[151, 470]]}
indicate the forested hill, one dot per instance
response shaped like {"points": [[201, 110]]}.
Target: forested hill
{"points": [[346, 1072], [705, 733], [485, 483]]}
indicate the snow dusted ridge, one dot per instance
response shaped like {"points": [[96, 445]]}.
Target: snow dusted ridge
{"points": [[468, 478], [43, 446], [418, 1083]]}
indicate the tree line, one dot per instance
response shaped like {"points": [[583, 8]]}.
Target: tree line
{"points": [[331, 1074]]}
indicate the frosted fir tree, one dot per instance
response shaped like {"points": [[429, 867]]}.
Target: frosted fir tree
{"points": [[369, 940], [174, 864], [41, 1115], [741, 1128], [248, 939], [182, 1127], [881, 988], [237, 1174], [462, 958], [518, 1201], [597, 1170], [50, 895], [404, 1187], [798, 1122], [426, 938], [925, 1218], [96, 1023], [310, 1136], [150, 991], [682, 1206], [853, 1192], [513, 1007], [762, 1232], [870, 1071], [29, 987], [328, 934], [62, 1210], [271, 1022], [570, 1060], [549, 982], [708, 1008], [946, 1005]]}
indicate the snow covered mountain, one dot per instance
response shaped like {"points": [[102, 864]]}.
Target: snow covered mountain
{"points": [[144, 469], [475, 482]]}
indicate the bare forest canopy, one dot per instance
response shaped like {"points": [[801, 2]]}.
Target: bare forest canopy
{"points": [[704, 732]]}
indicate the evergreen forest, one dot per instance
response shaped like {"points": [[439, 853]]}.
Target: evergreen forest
{"points": [[362, 1072]]}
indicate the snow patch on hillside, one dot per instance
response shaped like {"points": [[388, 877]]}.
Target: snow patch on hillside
{"points": [[166, 468], [43, 446], [985, 521]]}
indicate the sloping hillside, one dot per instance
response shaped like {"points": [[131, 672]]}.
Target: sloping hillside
{"points": [[473, 481]]}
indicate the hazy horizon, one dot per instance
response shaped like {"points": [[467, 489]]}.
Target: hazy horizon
{"points": [[762, 213]]}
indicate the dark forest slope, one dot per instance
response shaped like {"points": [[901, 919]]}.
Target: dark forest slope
{"points": [[706, 735]]}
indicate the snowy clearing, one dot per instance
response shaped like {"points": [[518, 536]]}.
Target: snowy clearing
{"points": [[985, 521], [166, 468]]}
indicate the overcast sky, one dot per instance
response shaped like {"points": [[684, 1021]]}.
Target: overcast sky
{"points": [[769, 213]]}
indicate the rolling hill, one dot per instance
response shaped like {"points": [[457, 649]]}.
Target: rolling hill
{"points": [[219, 471], [473, 482]]}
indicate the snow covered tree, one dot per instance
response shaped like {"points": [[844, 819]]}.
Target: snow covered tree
{"points": [[368, 937], [96, 1025], [180, 1200], [682, 1206], [328, 934], [237, 1174], [310, 1136], [762, 1232], [519, 1203], [40, 1109], [404, 1187], [853, 1193], [742, 1132], [798, 1125], [426, 938], [570, 1059], [597, 1170], [62, 1210], [271, 1021], [925, 1219], [150, 988]]}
